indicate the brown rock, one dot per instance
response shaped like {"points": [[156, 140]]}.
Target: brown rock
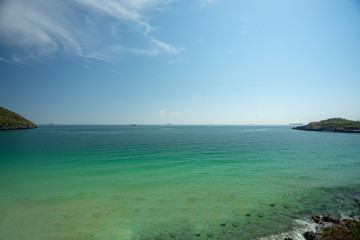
{"points": [[316, 219], [330, 218], [309, 235], [351, 223]]}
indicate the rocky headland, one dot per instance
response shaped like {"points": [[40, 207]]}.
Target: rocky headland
{"points": [[12, 121], [332, 125]]}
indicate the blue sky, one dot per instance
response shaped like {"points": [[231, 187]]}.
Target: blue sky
{"points": [[184, 62]]}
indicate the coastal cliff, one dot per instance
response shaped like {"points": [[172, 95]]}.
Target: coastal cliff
{"points": [[332, 125], [12, 121]]}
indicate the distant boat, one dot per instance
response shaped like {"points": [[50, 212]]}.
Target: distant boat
{"points": [[132, 125]]}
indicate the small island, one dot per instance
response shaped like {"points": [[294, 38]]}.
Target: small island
{"points": [[12, 121], [332, 125]]}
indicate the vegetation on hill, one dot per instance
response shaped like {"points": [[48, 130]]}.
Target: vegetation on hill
{"points": [[337, 123], [332, 125], [10, 120]]}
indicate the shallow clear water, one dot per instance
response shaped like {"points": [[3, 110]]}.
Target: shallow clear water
{"points": [[171, 182]]}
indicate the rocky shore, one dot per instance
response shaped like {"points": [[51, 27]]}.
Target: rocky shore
{"points": [[326, 129], [330, 227], [17, 127]]}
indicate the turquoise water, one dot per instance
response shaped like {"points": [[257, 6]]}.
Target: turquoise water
{"points": [[172, 182]]}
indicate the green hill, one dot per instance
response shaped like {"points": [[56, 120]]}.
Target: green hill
{"points": [[332, 125], [10, 120]]}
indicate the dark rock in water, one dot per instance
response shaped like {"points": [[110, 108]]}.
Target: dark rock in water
{"points": [[248, 214], [223, 224], [260, 215], [330, 218], [357, 204], [309, 235], [209, 235], [197, 235], [286, 206], [235, 225], [294, 217], [172, 235], [272, 205], [287, 238], [316, 219]]}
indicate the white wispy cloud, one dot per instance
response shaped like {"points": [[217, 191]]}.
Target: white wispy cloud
{"points": [[164, 46], [205, 3], [5, 60], [162, 113], [176, 114], [231, 51], [175, 61], [38, 29]]}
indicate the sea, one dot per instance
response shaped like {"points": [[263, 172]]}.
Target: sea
{"points": [[158, 182]]}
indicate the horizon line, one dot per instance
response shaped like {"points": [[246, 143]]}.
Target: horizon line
{"points": [[167, 124]]}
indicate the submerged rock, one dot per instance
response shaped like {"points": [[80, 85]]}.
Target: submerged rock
{"points": [[209, 235], [286, 206], [357, 204], [235, 225]]}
